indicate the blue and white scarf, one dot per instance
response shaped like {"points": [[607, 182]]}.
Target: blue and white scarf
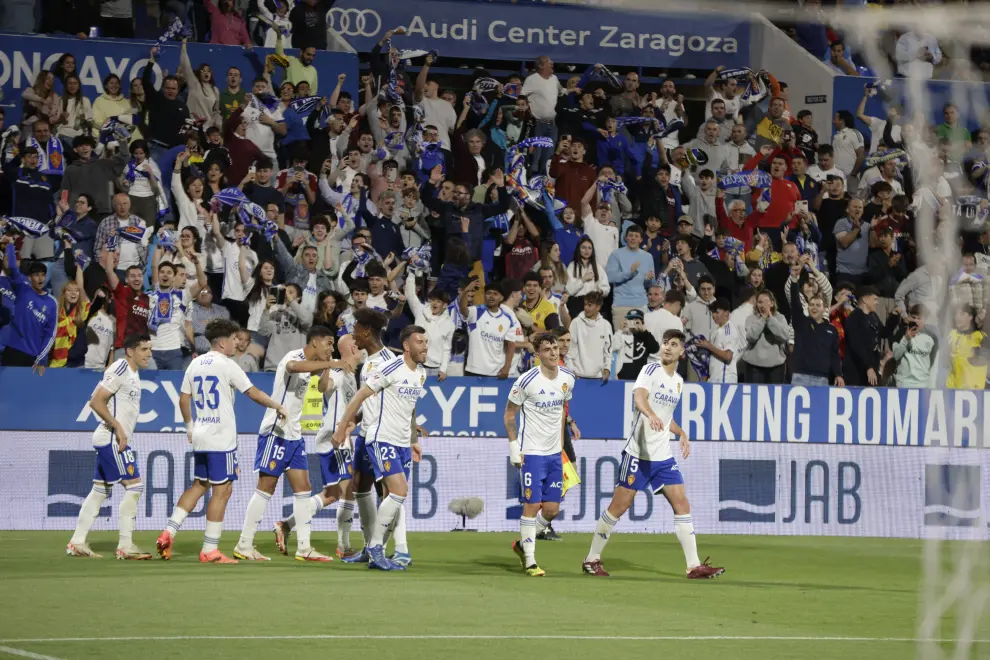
{"points": [[744, 179], [25, 226], [733, 246], [174, 30], [361, 260], [305, 106], [740, 74], [418, 258], [51, 159], [607, 189], [700, 358]]}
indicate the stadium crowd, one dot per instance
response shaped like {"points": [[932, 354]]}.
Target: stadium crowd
{"points": [[592, 207]]}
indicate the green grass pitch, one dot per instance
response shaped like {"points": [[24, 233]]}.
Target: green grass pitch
{"points": [[466, 597]]}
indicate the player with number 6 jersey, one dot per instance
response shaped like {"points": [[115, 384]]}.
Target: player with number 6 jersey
{"points": [[208, 390], [540, 396], [117, 402], [648, 463], [338, 388]]}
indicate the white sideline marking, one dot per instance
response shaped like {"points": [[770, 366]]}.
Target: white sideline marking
{"points": [[25, 654], [609, 638]]}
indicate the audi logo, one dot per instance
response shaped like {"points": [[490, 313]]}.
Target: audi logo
{"points": [[354, 22]]}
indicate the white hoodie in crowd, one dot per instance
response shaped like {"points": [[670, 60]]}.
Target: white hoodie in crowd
{"points": [[591, 346], [439, 328]]}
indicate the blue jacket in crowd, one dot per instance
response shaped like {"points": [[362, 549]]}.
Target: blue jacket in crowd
{"points": [[35, 315]]}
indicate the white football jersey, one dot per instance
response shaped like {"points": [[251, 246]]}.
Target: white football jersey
{"points": [[125, 404], [372, 406], [211, 380], [543, 401], [664, 395], [487, 334], [343, 386], [727, 338], [290, 391], [399, 388]]}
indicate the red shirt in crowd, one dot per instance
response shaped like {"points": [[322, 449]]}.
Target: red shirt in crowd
{"points": [[571, 179], [743, 233], [783, 195], [131, 310]]}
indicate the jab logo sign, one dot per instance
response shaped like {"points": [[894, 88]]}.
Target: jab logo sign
{"points": [[747, 491], [70, 479], [952, 495]]}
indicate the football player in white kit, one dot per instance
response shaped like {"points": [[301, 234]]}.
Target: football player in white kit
{"points": [[282, 450], [209, 385], [338, 388], [541, 394], [368, 327], [116, 401], [648, 462], [390, 445]]}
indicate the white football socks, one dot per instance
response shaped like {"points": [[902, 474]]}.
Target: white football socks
{"points": [[175, 521], [387, 513], [304, 507], [211, 538], [316, 505], [345, 518], [401, 543], [368, 513], [527, 538], [127, 514], [603, 530], [89, 511], [684, 530], [252, 518]]}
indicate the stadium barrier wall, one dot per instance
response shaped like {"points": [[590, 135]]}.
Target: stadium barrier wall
{"points": [[58, 401], [734, 488], [809, 80], [23, 56], [566, 33]]}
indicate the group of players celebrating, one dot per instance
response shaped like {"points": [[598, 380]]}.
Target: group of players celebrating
{"points": [[383, 452]]}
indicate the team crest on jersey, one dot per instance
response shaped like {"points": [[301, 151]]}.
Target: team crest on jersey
{"points": [[528, 493], [272, 465], [678, 388], [388, 465], [564, 388], [422, 380], [631, 479], [130, 470], [237, 471], [500, 327], [350, 469]]}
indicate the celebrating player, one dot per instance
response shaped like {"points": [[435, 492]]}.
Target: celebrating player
{"points": [[116, 462], [542, 393], [648, 462], [281, 448], [368, 326], [209, 383], [337, 387], [393, 440]]}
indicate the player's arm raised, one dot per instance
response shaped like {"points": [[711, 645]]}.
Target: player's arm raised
{"points": [[98, 403], [511, 410], [641, 397], [684, 442], [340, 433]]}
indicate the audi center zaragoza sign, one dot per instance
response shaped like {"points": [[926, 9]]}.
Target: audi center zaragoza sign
{"points": [[526, 31]]}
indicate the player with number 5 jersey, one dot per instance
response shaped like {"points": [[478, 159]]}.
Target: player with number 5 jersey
{"points": [[207, 406], [648, 463], [117, 402]]}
